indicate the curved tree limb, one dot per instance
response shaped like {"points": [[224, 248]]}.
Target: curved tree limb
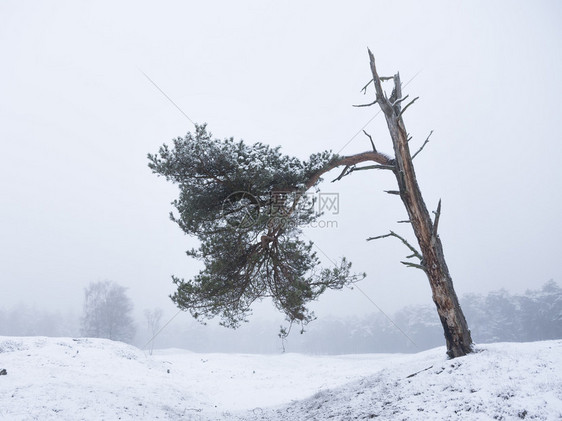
{"points": [[349, 161]]}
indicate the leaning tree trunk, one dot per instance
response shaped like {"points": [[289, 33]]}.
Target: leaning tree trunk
{"points": [[432, 262]]}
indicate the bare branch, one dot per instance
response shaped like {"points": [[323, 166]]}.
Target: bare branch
{"points": [[406, 107], [342, 175], [413, 265], [437, 215], [406, 221], [371, 139], [396, 192], [378, 237], [397, 90], [364, 89], [365, 105], [406, 243], [418, 372], [414, 251], [381, 97], [382, 78], [399, 100], [374, 167], [423, 146], [347, 170]]}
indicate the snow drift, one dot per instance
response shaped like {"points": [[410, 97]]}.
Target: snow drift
{"points": [[93, 379]]}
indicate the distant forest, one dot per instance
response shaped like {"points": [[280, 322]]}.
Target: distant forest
{"points": [[496, 317]]}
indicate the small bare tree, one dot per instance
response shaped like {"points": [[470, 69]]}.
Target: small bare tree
{"points": [[107, 312], [153, 323]]}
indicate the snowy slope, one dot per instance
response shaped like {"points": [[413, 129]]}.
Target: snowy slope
{"points": [[503, 381], [96, 379]]}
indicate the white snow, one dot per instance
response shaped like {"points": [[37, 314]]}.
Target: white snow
{"points": [[96, 379]]}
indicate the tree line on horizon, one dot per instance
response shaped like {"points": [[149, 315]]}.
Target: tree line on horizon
{"points": [[499, 316]]}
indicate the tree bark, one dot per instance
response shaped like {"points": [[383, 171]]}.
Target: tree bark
{"points": [[432, 259], [457, 334]]}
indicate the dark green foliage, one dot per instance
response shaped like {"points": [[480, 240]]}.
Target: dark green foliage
{"points": [[246, 204]]}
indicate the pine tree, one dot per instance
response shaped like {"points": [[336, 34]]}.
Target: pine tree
{"points": [[249, 254], [246, 204]]}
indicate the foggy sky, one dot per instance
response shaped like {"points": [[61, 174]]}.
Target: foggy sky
{"points": [[77, 118]]}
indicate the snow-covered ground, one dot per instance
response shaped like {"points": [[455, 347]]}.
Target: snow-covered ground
{"points": [[96, 379]]}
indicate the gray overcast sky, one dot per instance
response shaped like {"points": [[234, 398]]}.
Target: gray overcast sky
{"points": [[77, 118]]}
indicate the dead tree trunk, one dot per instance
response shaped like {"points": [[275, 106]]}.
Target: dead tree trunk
{"points": [[432, 259]]}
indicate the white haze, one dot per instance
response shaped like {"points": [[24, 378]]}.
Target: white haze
{"points": [[77, 118]]}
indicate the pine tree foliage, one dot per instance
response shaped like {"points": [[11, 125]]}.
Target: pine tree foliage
{"points": [[247, 205]]}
